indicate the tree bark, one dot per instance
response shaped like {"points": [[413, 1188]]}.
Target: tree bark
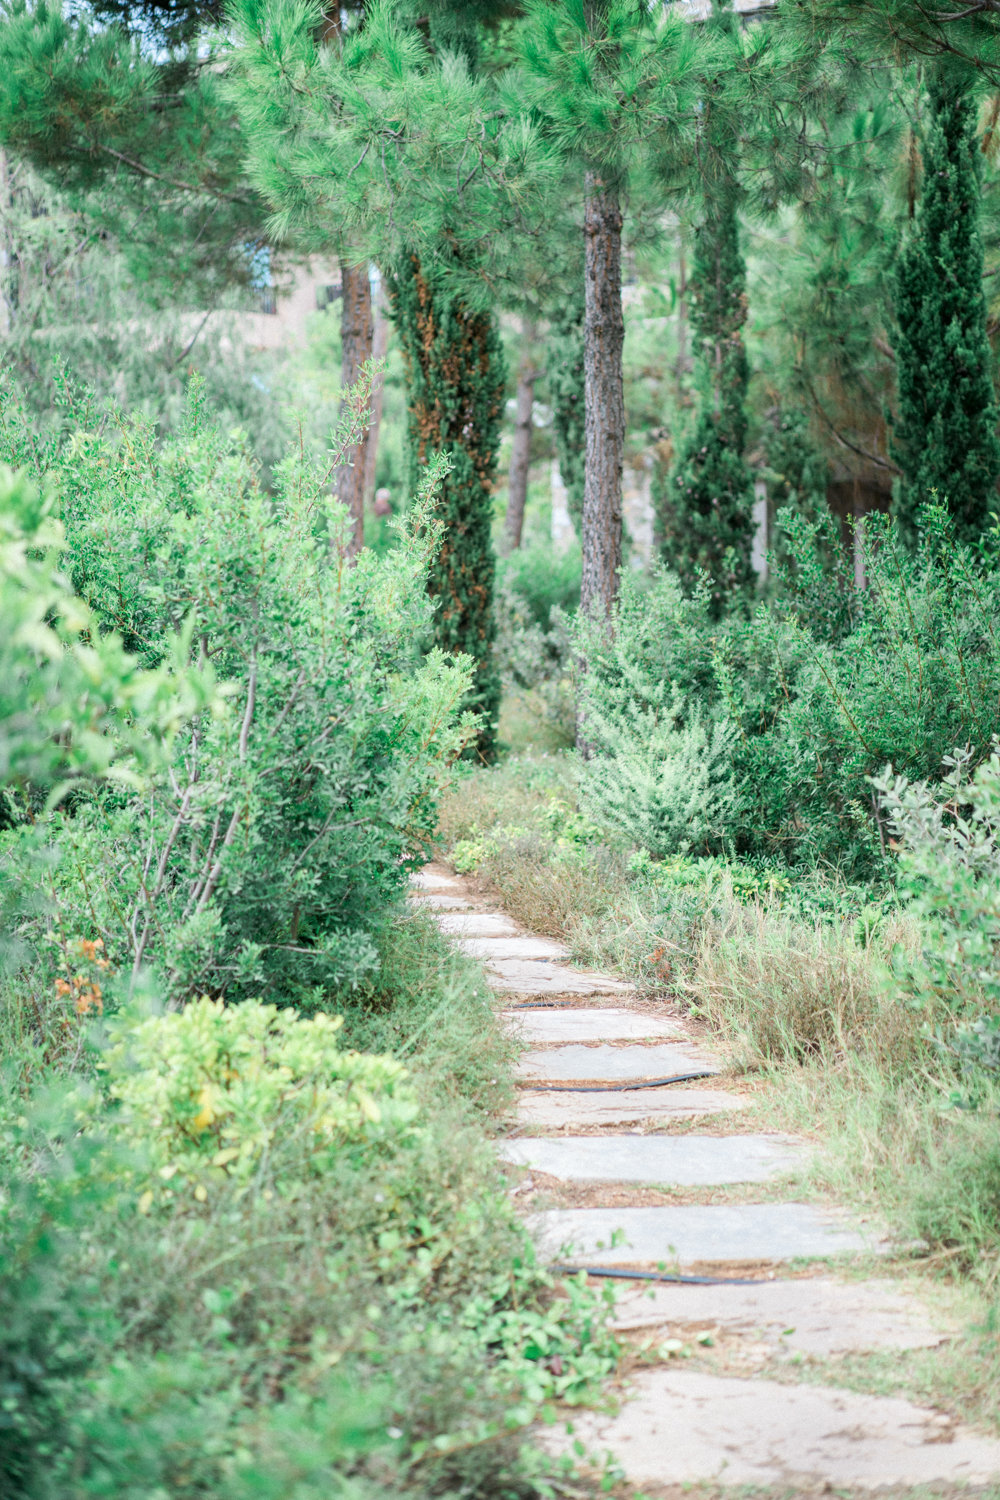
{"points": [[520, 453], [380, 343], [357, 334], [604, 398]]}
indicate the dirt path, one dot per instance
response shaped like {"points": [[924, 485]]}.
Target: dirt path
{"points": [[636, 1158]]}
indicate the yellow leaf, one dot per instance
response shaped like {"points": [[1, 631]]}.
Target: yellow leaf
{"points": [[206, 1114], [369, 1108], [223, 1158], [146, 1202], [200, 1193]]}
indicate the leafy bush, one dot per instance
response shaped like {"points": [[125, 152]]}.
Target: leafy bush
{"points": [[949, 873], [660, 776], [385, 1330], [909, 669], [73, 702], [533, 639], [543, 580], [949, 876], [208, 1091], [269, 849]]}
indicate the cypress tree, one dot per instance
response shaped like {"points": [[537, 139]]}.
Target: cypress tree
{"points": [[455, 389], [945, 435], [566, 392], [707, 521]]}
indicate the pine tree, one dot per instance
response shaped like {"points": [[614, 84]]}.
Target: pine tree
{"points": [[707, 520], [401, 138], [609, 79], [945, 436], [455, 388]]}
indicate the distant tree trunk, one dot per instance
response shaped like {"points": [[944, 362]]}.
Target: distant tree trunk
{"points": [[380, 344], [604, 399], [357, 334], [520, 454]]}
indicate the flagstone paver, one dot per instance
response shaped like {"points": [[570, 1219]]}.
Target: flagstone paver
{"points": [[552, 1111], [678, 1425], [526, 976], [481, 924], [813, 1315], [434, 900], [431, 879], [499, 948], [609, 1025], [692, 1234], [674, 1161], [614, 1064]]}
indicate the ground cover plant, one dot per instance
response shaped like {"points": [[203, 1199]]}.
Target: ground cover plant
{"points": [[251, 1228]]}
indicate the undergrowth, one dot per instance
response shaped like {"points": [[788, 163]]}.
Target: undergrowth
{"points": [[807, 981]]}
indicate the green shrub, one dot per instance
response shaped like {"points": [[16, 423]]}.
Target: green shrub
{"points": [[270, 848], [908, 671], [543, 581], [73, 703], [534, 598], [949, 875], [385, 1328], [660, 775], [208, 1091]]}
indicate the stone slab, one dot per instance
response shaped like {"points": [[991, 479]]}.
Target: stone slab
{"points": [[430, 879], [668, 1160], [813, 1316], [561, 1111], [613, 1064], [590, 1025], [477, 925], [439, 902], [529, 947], [682, 1427], [525, 976], [695, 1233]]}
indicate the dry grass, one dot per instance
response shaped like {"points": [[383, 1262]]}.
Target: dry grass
{"points": [[780, 990]]}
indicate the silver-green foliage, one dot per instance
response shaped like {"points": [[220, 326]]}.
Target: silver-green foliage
{"points": [[949, 871], [660, 771]]}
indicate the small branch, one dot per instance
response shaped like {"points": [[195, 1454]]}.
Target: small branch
{"points": [[185, 187]]}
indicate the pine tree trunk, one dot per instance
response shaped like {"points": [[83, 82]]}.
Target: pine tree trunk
{"points": [[356, 333], [604, 338], [380, 343], [520, 455]]}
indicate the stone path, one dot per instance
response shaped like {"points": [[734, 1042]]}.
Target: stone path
{"points": [[616, 1176]]}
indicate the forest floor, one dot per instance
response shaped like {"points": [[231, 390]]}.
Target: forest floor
{"points": [[778, 1342]]}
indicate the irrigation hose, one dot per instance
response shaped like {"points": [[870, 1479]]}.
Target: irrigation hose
{"points": [[610, 1088], [655, 1276]]}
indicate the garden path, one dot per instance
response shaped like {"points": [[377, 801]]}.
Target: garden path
{"points": [[634, 1160]]}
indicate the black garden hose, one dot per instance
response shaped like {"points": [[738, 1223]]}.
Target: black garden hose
{"points": [[610, 1088]]}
